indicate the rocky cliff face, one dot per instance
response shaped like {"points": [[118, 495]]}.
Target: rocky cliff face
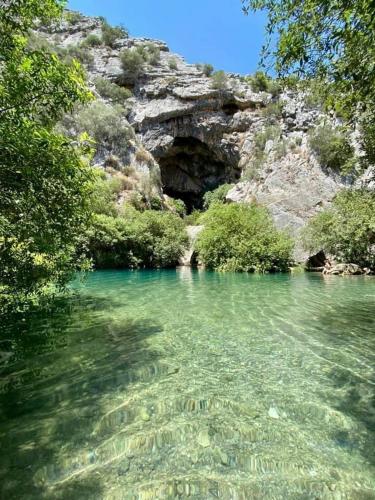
{"points": [[190, 137]]}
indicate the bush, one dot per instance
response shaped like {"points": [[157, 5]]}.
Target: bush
{"points": [[274, 88], [91, 41], [346, 230], [178, 206], [110, 34], [80, 53], [104, 123], [219, 80], [152, 55], [111, 91], [207, 69], [103, 196], [316, 94], [242, 237], [132, 62], [137, 239], [193, 219], [367, 124], [73, 17], [217, 195], [273, 111], [172, 63], [260, 82], [269, 133], [332, 148]]}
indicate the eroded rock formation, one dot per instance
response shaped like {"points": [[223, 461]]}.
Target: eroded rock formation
{"points": [[197, 137]]}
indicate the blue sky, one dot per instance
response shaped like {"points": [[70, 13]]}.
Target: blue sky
{"points": [[213, 31]]}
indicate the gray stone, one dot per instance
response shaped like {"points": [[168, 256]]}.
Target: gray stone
{"points": [[199, 137]]}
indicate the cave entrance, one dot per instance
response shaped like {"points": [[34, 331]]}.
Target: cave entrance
{"points": [[190, 168]]}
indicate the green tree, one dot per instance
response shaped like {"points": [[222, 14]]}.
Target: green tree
{"points": [[44, 178], [242, 237], [347, 229], [332, 40]]}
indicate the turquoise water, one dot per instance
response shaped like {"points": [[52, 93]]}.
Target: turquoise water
{"points": [[189, 384]]}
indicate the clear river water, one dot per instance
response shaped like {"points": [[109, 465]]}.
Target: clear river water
{"points": [[191, 384]]}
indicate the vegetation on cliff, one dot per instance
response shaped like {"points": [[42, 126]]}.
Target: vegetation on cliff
{"points": [[332, 41]]}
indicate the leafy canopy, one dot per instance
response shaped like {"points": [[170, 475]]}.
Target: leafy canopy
{"points": [[44, 179], [323, 38]]}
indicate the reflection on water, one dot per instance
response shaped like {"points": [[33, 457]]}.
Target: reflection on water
{"points": [[188, 384]]}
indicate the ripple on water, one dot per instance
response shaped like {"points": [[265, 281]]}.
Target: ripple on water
{"points": [[181, 384]]}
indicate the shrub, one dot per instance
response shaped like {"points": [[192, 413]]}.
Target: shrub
{"points": [[274, 88], [104, 123], [172, 63], [242, 237], [346, 230], [36, 41], [178, 206], [111, 91], [103, 196], [207, 69], [152, 55], [132, 62], [252, 170], [367, 124], [260, 82], [91, 41], [193, 219], [316, 94], [270, 132], [80, 53], [110, 34], [73, 17], [217, 195], [273, 111], [143, 156], [156, 203], [219, 80], [332, 148], [137, 239]]}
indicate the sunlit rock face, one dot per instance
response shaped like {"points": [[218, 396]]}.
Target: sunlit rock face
{"points": [[198, 137]]}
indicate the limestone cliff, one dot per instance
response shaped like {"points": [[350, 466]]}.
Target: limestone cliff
{"points": [[190, 137]]}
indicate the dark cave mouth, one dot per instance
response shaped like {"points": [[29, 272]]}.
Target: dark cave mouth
{"points": [[190, 168]]}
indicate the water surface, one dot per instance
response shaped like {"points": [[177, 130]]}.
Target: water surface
{"points": [[188, 384]]}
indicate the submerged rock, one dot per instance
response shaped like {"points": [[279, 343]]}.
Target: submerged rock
{"points": [[273, 413]]}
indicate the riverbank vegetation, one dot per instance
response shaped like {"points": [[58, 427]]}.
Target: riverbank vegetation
{"points": [[130, 235], [346, 230], [242, 237], [45, 178]]}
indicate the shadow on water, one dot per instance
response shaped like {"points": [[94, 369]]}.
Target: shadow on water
{"points": [[63, 367], [353, 379]]}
